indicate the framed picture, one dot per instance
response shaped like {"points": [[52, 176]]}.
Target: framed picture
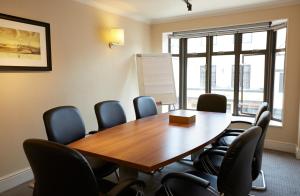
{"points": [[24, 44]]}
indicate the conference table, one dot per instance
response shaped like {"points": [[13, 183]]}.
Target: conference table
{"points": [[153, 142]]}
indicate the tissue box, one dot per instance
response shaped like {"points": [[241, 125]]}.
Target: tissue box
{"points": [[182, 118]]}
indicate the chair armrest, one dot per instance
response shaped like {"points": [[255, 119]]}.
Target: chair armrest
{"points": [[241, 121], [186, 177], [235, 130], [125, 184], [221, 147], [217, 151], [231, 134]]}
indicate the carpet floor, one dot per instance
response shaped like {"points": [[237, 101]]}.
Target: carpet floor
{"points": [[282, 174]]}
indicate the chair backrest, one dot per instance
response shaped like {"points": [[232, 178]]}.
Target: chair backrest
{"points": [[212, 103], [235, 177], [109, 114], [262, 122], [59, 170], [144, 106], [263, 107], [64, 124]]}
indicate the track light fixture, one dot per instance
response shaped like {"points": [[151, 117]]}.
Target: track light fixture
{"points": [[188, 5]]}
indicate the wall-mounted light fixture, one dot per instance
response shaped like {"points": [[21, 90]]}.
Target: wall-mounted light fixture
{"points": [[116, 37]]}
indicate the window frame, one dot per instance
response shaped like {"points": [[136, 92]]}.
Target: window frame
{"points": [[269, 52]]}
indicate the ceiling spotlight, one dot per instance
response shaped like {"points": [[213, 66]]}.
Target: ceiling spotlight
{"points": [[188, 5]]}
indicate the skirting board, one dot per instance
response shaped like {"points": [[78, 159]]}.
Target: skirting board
{"points": [[14, 179], [280, 146]]}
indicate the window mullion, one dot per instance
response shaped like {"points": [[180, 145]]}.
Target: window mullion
{"points": [[183, 73], [209, 46], [237, 49], [270, 68]]}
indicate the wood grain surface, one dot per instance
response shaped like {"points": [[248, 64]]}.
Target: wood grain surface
{"points": [[150, 143]]}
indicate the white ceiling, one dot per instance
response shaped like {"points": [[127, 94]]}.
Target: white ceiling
{"points": [[161, 10]]}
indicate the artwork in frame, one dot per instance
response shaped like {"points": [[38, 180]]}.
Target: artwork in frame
{"points": [[24, 44]]}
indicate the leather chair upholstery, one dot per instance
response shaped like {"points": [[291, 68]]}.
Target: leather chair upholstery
{"points": [[60, 171], [228, 137], [144, 106], [234, 178], [64, 125], [263, 107], [212, 103], [210, 160], [109, 114]]}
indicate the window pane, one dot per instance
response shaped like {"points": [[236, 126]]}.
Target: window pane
{"points": [[165, 42], [222, 77], [223, 43], [175, 61], [196, 45], [252, 71], [278, 85], [195, 80], [174, 46], [254, 41], [281, 38]]}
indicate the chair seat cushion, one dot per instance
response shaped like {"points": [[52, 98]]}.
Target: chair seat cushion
{"points": [[208, 163]]}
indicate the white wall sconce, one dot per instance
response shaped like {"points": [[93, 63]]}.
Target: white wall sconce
{"points": [[116, 37]]}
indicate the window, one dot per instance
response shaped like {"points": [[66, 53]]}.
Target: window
{"points": [[196, 45], [195, 78], [254, 41], [223, 43], [243, 66], [278, 89], [280, 83], [221, 75], [202, 76], [245, 72], [213, 76], [251, 90]]}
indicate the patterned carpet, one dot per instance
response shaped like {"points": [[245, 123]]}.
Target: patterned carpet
{"points": [[282, 173]]}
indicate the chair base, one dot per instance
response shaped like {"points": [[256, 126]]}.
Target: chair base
{"points": [[263, 187]]}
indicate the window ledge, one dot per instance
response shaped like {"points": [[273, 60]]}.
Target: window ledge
{"points": [[273, 123]]}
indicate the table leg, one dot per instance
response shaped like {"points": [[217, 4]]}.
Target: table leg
{"points": [[128, 173]]}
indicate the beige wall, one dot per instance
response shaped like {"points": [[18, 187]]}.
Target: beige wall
{"points": [[289, 132], [85, 71]]}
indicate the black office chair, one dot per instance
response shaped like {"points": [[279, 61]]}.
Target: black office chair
{"points": [[64, 125], [211, 159], [60, 171], [234, 178], [144, 106], [212, 103], [228, 139], [109, 114]]}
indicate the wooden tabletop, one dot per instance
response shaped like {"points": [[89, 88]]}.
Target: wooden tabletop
{"points": [[151, 143]]}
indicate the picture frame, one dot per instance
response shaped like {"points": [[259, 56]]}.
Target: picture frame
{"points": [[25, 44]]}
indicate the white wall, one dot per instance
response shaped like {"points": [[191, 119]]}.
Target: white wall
{"points": [[85, 71]]}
